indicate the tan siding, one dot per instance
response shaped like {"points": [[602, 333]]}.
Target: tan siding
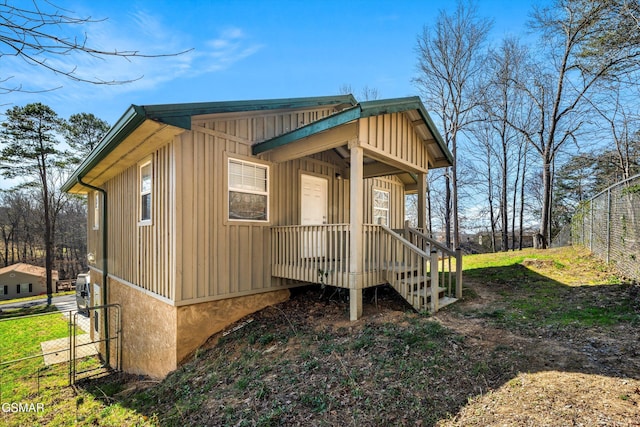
{"points": [[392, 136], [396, 199], [140, 254], [258, 127], [219, 258], [191, 243]]}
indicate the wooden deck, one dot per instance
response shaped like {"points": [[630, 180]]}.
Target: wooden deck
{"points": [[320, 254]]}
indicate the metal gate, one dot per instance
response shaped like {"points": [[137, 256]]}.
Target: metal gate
{"points": [[57, 348], [107, 347]]}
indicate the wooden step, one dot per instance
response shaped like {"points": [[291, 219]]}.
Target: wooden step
{"points": [[420, 293], [446, 301]]}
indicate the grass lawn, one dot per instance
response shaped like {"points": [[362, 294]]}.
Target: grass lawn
{"points": [[30, 381], [540, 338], [35, 297]]}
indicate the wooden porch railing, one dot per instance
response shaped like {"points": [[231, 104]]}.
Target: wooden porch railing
{"points": [[408, 269], [419, 268], [450, 261], [311, 253]]}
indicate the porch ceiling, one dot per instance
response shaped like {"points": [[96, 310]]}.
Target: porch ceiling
{"points": [[284, 147]]}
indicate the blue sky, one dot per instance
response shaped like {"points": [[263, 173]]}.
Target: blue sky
{"points": [[245, 50]]}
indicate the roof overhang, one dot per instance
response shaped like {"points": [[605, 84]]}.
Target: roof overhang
{"points": [[439, 154], [142, 129], [134, 136]]}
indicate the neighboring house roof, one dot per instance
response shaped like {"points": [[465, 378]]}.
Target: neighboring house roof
{"points": [[21, 267], [158, 122]]}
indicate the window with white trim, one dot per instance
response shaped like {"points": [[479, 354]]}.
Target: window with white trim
{"points": [[146, 182], [248, 191], [96, 210], [380, 207]]}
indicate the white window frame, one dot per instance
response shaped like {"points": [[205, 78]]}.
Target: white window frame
{"points": [[96, 210], [374, 207], [142, 194], [231, 188]]}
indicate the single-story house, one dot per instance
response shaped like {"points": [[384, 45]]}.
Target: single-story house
{"points": [[202, 213], [24, 280]]}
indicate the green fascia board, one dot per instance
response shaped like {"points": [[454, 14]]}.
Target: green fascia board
{"points": [[434, 131], [130, 120], [327, 123], [397, 105], [179, 115], [363, 109], [387, 106]]}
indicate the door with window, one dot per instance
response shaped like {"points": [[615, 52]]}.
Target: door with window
{"points": [[313, 211]]}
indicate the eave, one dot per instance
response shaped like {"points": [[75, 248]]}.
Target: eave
{"points": [[126, 140], [439, 153]]}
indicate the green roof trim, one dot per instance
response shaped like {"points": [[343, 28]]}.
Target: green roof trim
{"points": [[362, 110], [326, 123], [130, 120], [179, 115]]}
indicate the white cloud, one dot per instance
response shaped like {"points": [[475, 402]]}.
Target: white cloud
{"points": [[228, 48], [138, 31]]}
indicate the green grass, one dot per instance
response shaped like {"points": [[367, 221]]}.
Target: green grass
{"points": [[560, 288], [35, 297], [404, 369], [30, 381]]}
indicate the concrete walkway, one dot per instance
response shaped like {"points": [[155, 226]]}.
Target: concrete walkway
{"points": [[57, 351]]}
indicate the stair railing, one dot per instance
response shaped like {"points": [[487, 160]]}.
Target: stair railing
{"points": [[407, 266], [450, 271]]}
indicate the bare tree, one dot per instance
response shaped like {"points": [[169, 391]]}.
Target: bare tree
{"points": [[366, 93], [621, 126], [449, 69], [577, 57], [484, 135], [503, 105], [39, 31]]}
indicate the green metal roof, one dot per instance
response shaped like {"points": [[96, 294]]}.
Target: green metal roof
{"points": [[179, 115], [362, 110]]}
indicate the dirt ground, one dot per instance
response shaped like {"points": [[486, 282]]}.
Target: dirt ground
{"points": [[585, 378], [520, 349]]}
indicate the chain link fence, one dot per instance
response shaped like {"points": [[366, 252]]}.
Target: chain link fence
{"points": [[609, 226], [53, 349]]}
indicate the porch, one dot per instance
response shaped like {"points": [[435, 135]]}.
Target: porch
{"points": [[348, 241], [427, 274]]}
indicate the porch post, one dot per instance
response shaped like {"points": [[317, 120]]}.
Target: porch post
{"points": [[422, 205], [356, 217]]}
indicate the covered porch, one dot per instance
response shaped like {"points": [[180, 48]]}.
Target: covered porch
{"points": [[372, 139]]}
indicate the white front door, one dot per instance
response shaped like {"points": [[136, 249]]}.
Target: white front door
{"points": [[313, 211]]}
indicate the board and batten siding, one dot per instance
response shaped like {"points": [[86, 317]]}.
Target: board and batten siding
{"points": [[393, 137], [191, 252], [258, 126], [141, 255], [395, 188], [221, 258]]}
